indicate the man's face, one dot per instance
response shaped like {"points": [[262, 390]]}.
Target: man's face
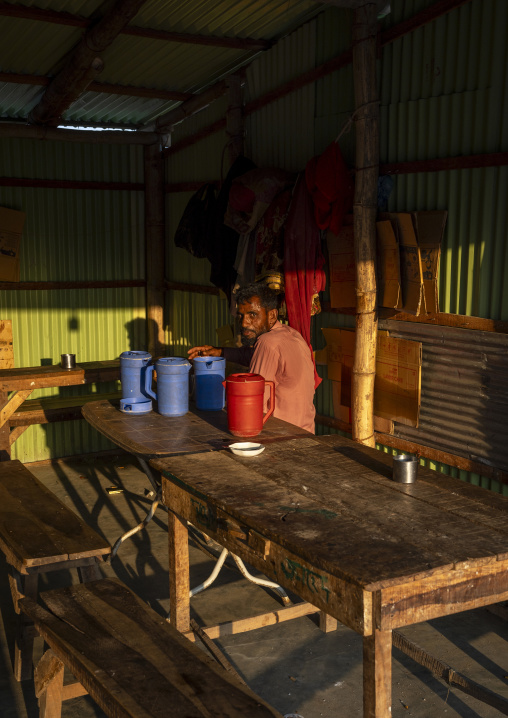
{"points": [[254, 320]]}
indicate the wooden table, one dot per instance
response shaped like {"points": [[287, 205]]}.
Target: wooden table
{"points": [[152, 435], [322, 517], [23, 381]]}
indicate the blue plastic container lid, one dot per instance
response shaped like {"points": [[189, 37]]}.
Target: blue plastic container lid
{"points": [[172, 363], [135, 406], [136, 355]]}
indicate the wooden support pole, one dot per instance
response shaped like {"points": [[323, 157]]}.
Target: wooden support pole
{"points": [[84, 63], [365, 208], [155, 247], [165, 123], [234, 118]]}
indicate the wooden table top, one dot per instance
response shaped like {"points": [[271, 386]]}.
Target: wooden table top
{"points": [[332, 502], [153, 435], [41, 377]]}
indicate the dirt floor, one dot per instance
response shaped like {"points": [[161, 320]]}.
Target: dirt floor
{"points": [[293, 665]]}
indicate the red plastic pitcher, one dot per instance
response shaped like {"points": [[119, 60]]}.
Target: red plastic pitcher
{"points": [[245, 395]]}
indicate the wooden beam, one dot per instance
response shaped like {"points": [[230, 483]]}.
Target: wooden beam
{"points": [[70, 184], [155, 247], [335, 63], [166, 122], [64, 18], [110, 89], [84, 63], [234, 118], [92, 284], [365, 210], [113, 137]]}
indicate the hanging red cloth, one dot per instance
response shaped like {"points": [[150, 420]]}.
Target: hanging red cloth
{"points": [[303, 263], [331, 185]]}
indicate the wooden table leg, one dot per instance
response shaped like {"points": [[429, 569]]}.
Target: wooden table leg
{"points": [[377, 674], [179, 583]]}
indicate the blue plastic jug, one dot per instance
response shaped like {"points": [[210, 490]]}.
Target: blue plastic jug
{"points": [[133, 366], [172, 385], [209, 373]]}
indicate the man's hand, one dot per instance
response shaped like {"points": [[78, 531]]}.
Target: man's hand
{"points": [[204, 351]]}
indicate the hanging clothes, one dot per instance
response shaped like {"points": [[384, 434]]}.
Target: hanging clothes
{"points": [[304, 277], [222, 240], [332, 188]]}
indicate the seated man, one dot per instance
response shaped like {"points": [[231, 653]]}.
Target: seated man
{"points": [[275, 351]]}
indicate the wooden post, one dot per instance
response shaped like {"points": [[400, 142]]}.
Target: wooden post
{"points": [[365, 208], [155, 247], [234, 118]]}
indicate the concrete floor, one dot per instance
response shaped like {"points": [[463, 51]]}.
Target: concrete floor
{"points": [[294, 666]]}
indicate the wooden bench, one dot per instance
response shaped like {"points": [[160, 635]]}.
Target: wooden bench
{"points": [[38, 533], [129, 659], [55, 408]]}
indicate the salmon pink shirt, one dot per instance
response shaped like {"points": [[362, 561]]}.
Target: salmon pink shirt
{"points": [[283, 356]]}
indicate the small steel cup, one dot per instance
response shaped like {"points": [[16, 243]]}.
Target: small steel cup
{"points": [[68, 361], [405, 468]]}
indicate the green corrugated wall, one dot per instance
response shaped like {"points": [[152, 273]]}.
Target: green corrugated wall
{"points": [[73, 235]]}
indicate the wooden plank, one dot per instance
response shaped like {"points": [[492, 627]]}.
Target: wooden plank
{"points": [[440, 595], [241, 625], [55, 408], [36, 528], [8, 408], [41, 377], [131, 661], [448, 674]]}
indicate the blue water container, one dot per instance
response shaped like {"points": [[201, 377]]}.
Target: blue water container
{"points": [[209, 373], [172, 385], [133, 365]]}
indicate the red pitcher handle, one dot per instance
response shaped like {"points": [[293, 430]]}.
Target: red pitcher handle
{"points": [[271, 405]]}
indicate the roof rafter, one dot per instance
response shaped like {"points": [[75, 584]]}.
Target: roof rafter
{"points": [[83, 63], [64, 18], [24, 79]]}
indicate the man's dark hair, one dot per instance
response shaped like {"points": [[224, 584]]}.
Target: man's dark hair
{"points": [[268, 298]]}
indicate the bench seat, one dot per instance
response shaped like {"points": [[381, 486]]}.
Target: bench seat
{"points": [[129, 659], [55, 408], [38, 534]]}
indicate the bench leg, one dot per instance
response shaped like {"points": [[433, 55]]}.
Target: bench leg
{"points": [[23, 650], [179, 588], [49, 676], [89, 573]]}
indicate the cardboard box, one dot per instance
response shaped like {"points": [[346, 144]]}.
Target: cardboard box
{"points": [[429, 228], [341, 258], [411, 275], [397, 387], [388, 262], [11, 228]]}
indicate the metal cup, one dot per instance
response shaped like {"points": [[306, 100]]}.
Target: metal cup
{"points": [[405, 468], [68, 361]]}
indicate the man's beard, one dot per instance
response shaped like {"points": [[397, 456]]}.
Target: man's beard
{"points": [[249, 340]]}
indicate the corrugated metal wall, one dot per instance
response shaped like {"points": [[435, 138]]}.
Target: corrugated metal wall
{"points": [[443, 92], [73, 235], [193, 318]]}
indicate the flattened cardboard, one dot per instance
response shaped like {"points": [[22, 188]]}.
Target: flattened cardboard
{"points": [[6, 346], [341, 257], [388, 255], [429, 228], [11, 228], [410, 263], [397, 387]]}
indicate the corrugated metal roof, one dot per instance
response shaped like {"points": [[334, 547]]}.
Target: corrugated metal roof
{"points": [[140, 61]]}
